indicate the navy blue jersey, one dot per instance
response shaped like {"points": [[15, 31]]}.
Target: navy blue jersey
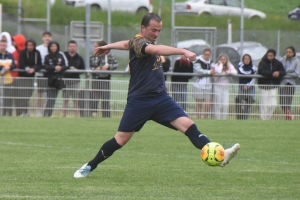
{"points": [[147, 76]]}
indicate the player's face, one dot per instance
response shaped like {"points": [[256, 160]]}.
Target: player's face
{"points": [[30, 46], [72, 48], [47, 39], [152, 31]]}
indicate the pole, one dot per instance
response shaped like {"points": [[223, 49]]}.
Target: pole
{"points": [[278, 42], [159, 8], [109, 22], [242, 29], [87, 56], [48, 14], [19, 16]]}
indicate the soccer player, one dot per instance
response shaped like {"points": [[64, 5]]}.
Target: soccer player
{"points": [[147, 98]]}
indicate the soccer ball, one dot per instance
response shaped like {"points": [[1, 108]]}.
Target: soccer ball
{"points": [[212, 154]]}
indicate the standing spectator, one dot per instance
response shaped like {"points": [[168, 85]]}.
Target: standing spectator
{"points": [[202, 87], [272, 69], [41, 77], [30, 61], [179, 83], [246, 87], [72, 82], [221, 88], [5, 36], [101, 82], [7, 64], [287, 89], [18, 42], [55, 66], [166, 64]]}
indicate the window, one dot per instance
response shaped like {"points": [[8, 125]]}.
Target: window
{"points": [[232, 3], [217, 2]]}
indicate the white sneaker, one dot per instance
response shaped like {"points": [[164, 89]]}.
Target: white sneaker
{"points": [[84, 171], [230, 153]]}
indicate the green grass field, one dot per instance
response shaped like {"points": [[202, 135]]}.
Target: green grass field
{"points": [[39, 156]]}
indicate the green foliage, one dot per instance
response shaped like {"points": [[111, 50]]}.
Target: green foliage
{"points": [[39, 156], [276, 11]]}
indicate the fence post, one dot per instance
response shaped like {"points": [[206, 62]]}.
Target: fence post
{"points": [[278, 42]]}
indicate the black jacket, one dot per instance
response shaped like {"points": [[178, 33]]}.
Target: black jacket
{"points": [[30, 60], [266, 69], [52, 60], [77, 62], [182, 69]]}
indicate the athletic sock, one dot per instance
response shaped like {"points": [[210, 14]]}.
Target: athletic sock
{"points": [[105, 151], [196, 137]]}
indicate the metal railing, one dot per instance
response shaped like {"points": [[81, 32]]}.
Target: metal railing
{"points": [[107, 98]]}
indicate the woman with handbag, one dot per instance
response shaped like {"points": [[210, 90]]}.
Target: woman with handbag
{"points": [[246, 87], [55, 65]]}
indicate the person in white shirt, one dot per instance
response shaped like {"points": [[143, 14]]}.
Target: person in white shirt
{"points": [[41, 80], [221, 89]]}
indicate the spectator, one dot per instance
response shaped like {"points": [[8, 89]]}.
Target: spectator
{"points": [[30, 61], [202, 87], [7, 64], [246, 87], [101, 82], [179, 83], [5, 36], [166, 64], [221, 88], [72, 82], [18, 42], [41, 80], [287, 89], [272, 69], [55, 66]]}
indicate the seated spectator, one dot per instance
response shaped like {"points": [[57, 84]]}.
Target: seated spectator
{"points": [[273, 70]]}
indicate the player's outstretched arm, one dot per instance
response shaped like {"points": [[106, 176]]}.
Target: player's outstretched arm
{"points": [[164, 50], [103, 50]]}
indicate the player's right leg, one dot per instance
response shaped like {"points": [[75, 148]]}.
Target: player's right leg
{"points": [[107, 149]]}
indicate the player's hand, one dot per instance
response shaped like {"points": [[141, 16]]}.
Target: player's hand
{"points": [[190, 55], [101, 51]]}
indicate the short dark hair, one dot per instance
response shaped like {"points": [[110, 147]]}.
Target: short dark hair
{"points": [[148, 17], [206, 49], [47, 33], [101, 43], [72, 42]]}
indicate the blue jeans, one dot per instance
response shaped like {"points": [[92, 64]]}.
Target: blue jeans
{"points": [[179, 91]]}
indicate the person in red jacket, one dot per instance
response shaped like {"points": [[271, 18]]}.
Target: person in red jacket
{"points": [[18, 41]]}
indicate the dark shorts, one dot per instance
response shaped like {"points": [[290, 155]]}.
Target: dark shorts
{"points": [[160, 108], [71, 91]]}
